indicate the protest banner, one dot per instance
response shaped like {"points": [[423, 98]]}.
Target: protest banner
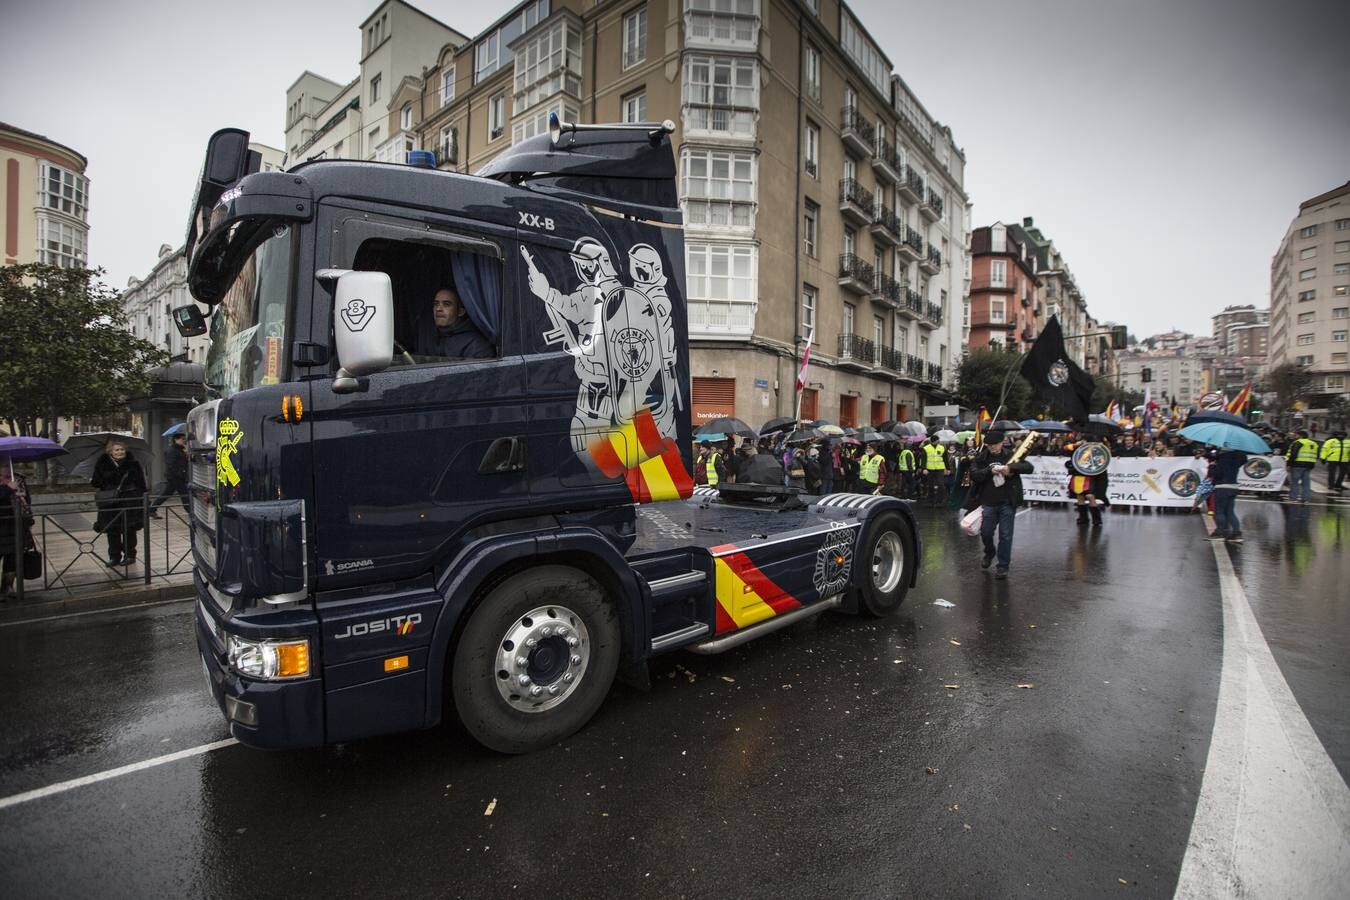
{"points": [[1145, 481]]}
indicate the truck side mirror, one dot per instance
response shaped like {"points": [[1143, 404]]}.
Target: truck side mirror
{"points": [[189, 321], [364, 326]]}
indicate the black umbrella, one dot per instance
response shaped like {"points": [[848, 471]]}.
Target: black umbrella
{"points": [[782, 423], [1004, 425], [888, 425], [1216, 415], [803, 436], [85, 450], [1100, 426], [726, 425], [871, 435]]}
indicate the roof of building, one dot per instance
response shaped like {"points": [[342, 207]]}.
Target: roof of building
{"points": [[4, 126], [1329, 195]]}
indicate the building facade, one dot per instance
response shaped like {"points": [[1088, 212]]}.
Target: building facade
{"points": [[1174, 375], [1004, 289], [1310, 294], [1061, 296], [44, 201], [821, 199]]}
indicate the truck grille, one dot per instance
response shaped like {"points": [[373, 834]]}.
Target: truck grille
{"points": [[204, 475], [203, 511]]}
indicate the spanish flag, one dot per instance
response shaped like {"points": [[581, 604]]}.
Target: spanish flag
{"points": [[649, 463], [1238, 405], [1112, 411], [981, 423]]}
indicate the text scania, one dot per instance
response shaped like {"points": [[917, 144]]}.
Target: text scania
{"points": [[399, 624]]}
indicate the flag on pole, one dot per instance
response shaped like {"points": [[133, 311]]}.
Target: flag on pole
{"points": [[1149, 406], [1239, 404], [1054, 378], [981, 423], [806, 358], [1112, 411]]}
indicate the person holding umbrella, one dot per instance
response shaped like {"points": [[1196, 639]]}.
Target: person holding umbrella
{"points": [[16, 526], [175, 473], [1224, 473], [120, 483]]}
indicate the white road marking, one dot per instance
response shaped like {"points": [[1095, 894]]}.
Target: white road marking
{"points": [[94, 612], [1273, 815], [63, 786]]}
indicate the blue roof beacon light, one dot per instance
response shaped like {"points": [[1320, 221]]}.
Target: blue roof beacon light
{"points": [[423, 159]]}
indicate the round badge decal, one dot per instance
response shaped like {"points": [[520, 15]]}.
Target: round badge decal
{"points": [[1091, 459], [1256, 468], [1184, 483], [1059, 373]]}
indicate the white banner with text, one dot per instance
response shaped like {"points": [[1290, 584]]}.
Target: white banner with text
{"points": [[1144, 481]]}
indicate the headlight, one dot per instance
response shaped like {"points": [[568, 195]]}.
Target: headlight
{"points": [[269, 660]]}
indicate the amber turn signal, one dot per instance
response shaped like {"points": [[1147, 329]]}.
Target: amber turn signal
{"points": [[292, 408], [292, 659], [394, 663]]}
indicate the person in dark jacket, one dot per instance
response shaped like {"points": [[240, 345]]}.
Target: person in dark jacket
{"points": [[455, 336], [1224, 473], [13, 488], [996, 485], [175, 473], [120, 482]]}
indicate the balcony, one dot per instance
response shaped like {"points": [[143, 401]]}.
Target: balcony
{"points": [[914, 367], [857, 132], [855, 275], [931, 209], [986, 322], [887, 292], [885, 164], [911, 186], [990, 284], [932, 263], [911, 304], [886, 226], [933, 373], [856, 351], [893, 359], [933, 313], [911, 247], [855, 201]]}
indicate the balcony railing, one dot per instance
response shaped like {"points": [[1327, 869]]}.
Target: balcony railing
{"points": [[931, 208], [886, 225], [885, 162], [893, 359], [933, 314], [855, 274], [914, 181], [888, 291], [914, 367], [936, 202], [991, 284], [914, 239], [934, 373], [855, 201], [856, 131], [856, 348], [932, 263]]}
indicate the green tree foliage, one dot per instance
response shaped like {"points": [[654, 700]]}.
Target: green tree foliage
{"points": [[64, 346], [1338, 410], [981, 377], [1105, 390], [1290, 383]]}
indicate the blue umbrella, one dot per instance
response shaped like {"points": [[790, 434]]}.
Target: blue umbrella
{"points": [[180, 428], [1047, 426], [1225, 436], [708, 438], [27, 449]]}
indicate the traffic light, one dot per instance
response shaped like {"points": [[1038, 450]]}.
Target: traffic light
{"points": [[1119, 335], [1145, 375]]}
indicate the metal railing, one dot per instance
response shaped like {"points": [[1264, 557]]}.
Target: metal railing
{"points": [[888, 288], [914, 239], [934, 314], [886, 218], [852, 346], [852, 191], [853, 266], [852, 120], [74, 555], [935, 257], [935, 202], [914, 301], [914, 180]]}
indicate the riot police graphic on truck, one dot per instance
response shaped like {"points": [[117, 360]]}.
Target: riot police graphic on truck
{"points": [[383, 536]]}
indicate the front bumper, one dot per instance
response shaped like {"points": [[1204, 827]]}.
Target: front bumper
{"points": [[265, 714]]}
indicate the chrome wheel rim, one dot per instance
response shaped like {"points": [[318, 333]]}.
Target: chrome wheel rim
{"points": [[888, 562], [542, 658]]}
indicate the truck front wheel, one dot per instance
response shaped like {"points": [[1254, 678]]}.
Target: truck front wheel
{"points": [[886, 557], [536, 659]]}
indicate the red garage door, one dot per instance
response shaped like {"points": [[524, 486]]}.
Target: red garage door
{"points": [[713, 398]]}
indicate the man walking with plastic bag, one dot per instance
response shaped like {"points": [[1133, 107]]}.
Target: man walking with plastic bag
{"points": [[996, 487]]}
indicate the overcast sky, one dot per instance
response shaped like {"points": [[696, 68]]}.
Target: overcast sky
{"points": [[1163, 144]]}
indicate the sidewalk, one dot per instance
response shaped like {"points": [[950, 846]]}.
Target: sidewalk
{"points": [[76, 577]]}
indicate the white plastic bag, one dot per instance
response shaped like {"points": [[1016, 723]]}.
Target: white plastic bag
{"points": [[970, 522]]}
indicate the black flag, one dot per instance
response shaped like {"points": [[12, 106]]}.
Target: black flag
{"points": [[1053, 376]]}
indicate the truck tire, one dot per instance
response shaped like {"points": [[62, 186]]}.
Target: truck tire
{"points": [[536, 659], [883, 575]]}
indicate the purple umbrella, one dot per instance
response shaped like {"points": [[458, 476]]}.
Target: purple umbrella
{"points": [[27, 449]]}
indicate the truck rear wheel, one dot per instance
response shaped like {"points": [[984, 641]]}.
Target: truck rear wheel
{"points": [[883, 577], [536, 659]]}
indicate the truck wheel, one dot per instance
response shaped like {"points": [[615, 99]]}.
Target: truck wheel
{"points": [[536, 659], [883, 578]]}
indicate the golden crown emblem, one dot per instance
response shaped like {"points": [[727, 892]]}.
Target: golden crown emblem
{"points": [[228, 427]]}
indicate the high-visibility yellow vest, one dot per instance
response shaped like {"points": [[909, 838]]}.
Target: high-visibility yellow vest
{"points": [[1336, 450], [713, 460], [907, 460], [936, 459], [869, 468], [1307, 451]]}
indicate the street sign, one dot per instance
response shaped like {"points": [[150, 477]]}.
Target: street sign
{"points": [[949, 410]]}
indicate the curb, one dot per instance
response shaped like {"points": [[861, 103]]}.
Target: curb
{"points": [[16, 613]]}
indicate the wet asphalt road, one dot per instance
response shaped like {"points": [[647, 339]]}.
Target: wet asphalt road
{"points": [[829, 759]]}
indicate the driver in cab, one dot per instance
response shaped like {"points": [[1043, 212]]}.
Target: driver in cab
{"points": [[455, 336]]}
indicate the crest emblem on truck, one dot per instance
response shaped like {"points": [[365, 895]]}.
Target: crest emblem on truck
{"points": [[228, 436]]}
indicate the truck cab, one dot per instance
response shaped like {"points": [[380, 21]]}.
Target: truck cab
{"points": [[447, 462]]}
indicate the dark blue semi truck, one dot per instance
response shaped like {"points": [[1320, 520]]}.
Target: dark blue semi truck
{"points": [[385, 528]]}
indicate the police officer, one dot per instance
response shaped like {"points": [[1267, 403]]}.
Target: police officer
{"points": [[907, 464], [1336, 454], [1300, 459], [717, 467], [935, 471], [871, 471]]}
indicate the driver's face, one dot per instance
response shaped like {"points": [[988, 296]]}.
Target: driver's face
{"points": [[445, 308]]}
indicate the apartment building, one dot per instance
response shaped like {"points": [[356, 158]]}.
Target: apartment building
{"points": [[1004, 289], [821, 199], [1310, 294], [44, 196], [369, 117], [1060, 296], [1176, 374]]}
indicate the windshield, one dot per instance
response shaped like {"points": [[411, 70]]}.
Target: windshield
{"points": [[248, 328]]}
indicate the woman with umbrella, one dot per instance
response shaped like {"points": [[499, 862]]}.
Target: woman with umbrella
{"points": [[1234, 443], [120, 483], [16, 526]]}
